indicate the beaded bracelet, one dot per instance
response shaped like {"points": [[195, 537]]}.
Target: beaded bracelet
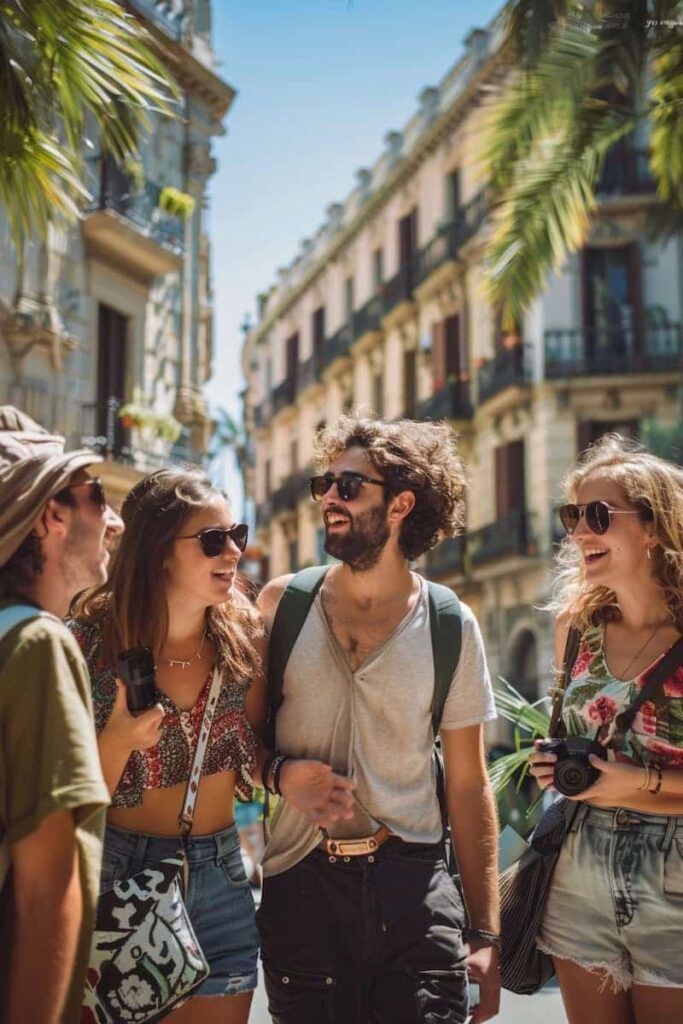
{"points": [[658, 784], [277, 768]]}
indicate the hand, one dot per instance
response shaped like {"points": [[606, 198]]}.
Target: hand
{"points": [[132, 732], [541, 767], [482, 968], [317, 791], [616, 786]]}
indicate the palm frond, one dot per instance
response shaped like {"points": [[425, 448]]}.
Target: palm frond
{"points": [[530, 23], [666, 114], [531, 719]]}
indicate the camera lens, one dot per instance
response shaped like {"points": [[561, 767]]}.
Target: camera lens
{"points": [[136, 668], [573, 775]]}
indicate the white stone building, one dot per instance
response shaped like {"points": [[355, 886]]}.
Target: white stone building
{"points": [[385, 307], [116, 311]]}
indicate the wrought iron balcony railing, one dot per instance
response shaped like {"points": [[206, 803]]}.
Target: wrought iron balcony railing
{"points": [[510, 535], [450, 402], [580, 351], [508, 368], [140, 206], [446, 557]]}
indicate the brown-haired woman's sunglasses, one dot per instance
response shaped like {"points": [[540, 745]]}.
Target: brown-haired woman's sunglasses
{"points": [[598, 515], [213, 539]]}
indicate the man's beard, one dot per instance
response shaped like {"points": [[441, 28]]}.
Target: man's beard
{"points": [[363, 543]]}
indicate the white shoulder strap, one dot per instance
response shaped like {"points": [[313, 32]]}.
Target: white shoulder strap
{"points": [[10, 617]]}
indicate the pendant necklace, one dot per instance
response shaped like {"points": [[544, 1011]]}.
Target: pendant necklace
{"points": [[179, 663]]}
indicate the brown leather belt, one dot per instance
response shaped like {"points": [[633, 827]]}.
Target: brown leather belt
{"points": [[356, 847]]}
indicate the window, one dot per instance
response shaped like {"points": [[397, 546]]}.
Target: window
{"points": [[449, 357], [409, 382], [378, 393], [318, 330], [377, 268], [112, 345], [292, 356], [612, 301], [452, 197], [348, 299], [267, 481], [510, 490], [592, 430], [407, 239]]}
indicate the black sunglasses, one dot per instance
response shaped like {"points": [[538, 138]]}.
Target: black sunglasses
{"points": [[213, 539], [348, 485], [97, 495], [598, 515]]}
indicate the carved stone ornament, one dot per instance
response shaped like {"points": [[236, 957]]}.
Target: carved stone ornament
{"points": [[31, 322]]}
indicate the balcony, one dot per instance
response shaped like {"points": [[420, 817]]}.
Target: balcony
{"points": [[587, 351], [264, 513], [368, 318], [507, 537], [447, 557], [449, 402], [101, 429], [287, 496], [508, 368], [284, 394], [399, 288], [626, 172], [126, 224], [263, 413], [308, 372], [442, 247], [338, 346], [163, 14]]}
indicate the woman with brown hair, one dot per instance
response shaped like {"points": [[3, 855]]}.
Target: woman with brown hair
{"points": [[173, 588], [612, 921]]}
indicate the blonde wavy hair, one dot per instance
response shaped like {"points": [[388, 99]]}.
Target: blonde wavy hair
{"points": [[654, 487]]}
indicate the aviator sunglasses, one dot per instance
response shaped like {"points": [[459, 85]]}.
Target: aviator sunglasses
{"points": [[348, 485], [96, 495], [598, 515], [213, 540]]}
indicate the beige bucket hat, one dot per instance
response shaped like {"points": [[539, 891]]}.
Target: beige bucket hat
{"points": [[33, 468]]}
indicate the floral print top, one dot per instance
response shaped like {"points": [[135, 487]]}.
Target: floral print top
{"points": [[594, 697], [232, 746]]}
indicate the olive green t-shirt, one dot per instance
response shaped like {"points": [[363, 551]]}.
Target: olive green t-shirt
{"points": [[49, 762]]}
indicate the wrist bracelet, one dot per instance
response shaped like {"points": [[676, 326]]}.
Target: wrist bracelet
{"points": [[658, 784], [277, 768], [267, 769], [481, 935], [648, 776]]}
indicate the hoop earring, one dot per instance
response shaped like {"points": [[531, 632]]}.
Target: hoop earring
{"points": [[649, 553]]}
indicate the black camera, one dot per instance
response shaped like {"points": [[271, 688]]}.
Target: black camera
{"points": [[573, 772], [136, 668]]}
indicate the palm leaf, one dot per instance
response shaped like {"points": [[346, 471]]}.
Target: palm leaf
{"points": [[666, 114], [529, 719]]}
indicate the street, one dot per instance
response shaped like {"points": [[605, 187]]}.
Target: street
{"points": [[543, 1008]]}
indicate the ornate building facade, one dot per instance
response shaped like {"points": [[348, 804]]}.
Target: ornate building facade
{"points": [[106, 327], [385, 307]]}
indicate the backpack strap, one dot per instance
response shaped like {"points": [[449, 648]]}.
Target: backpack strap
{"points": [[295, 604], [445, 623]]}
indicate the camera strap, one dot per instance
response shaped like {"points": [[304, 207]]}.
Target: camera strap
{"points": [[571, 652], [672, 660]]}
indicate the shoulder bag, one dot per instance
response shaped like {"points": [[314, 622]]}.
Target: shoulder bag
{"points": [[525, 885], [145, 957]]}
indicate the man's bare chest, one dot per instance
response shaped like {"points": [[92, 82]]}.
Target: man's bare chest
{"points": [[360, 637]]}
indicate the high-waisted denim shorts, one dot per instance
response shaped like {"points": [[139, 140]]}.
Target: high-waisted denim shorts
{"points": [[616, 898], [219, 899]]}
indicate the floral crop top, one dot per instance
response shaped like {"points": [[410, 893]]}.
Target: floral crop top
{"points": [[594, 697], [232, 746]]}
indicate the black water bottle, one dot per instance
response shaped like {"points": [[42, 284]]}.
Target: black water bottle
{"points": [[136, 668]]}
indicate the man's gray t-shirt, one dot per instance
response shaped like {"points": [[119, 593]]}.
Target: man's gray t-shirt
{"points": [[373, 725]]}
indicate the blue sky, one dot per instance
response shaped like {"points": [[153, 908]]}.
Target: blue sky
{"points": [[319, 83]]}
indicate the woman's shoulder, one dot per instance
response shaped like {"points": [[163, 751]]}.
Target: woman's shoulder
{"points": [[87, 634]]}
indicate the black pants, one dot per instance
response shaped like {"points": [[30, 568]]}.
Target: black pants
{"points": [[369, 940]]}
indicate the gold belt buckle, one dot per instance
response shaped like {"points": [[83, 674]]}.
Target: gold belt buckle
{"points": [[351, 847]]}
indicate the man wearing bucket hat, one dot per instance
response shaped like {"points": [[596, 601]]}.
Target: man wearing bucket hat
{"points": [[54, 529]]}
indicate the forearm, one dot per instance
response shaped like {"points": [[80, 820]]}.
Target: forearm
{"points": [[474, 825], [47, 926], [114, 757]]}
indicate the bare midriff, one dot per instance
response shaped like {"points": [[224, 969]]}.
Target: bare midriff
{"points": [[158, 813]]}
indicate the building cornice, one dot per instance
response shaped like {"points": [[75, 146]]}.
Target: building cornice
{"points": [[427, 142]]}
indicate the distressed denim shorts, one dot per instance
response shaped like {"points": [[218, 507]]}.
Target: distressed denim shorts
{"points": [[616, 898], [219, 899]]}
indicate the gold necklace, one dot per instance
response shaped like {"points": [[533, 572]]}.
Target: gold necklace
{"points": [[653, 634], [179, 663]]}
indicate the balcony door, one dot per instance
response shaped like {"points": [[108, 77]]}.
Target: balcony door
{"points": [[407, 245], [112, 345], [612, 305], [510, 490]]}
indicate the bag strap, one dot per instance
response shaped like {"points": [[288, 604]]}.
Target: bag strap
{"points": [[667, 666], [571, 652], [293, 607], [445, 623], [186, 816]]}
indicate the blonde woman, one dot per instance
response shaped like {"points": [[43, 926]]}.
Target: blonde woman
{"points": [[613, 921]]}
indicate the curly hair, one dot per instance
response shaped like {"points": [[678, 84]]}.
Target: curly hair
{"points": [[654, 487], [411, 456], [27, 563], [130, 608]]}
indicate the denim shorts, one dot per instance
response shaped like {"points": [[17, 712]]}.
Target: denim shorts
{"points": [[219, 899], [616, 898]]}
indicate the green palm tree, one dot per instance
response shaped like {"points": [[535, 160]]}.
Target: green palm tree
{"points": [[588, 74], [60, 61]]}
